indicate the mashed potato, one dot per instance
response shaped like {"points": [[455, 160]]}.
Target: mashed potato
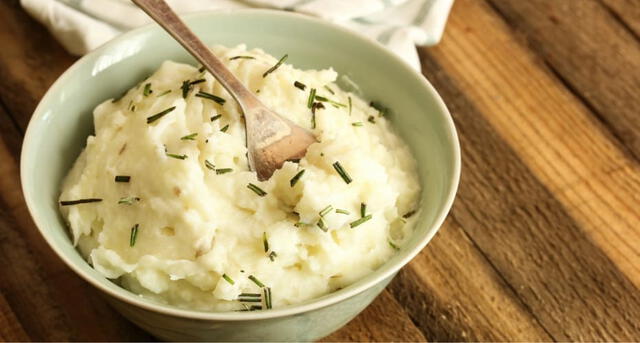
{"points": [[173, 218]]}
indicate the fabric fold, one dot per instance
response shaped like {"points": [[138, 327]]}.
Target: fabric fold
{"points": [[83, 25]]}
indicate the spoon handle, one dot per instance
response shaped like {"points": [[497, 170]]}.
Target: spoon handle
{"points": [[159, 11]]}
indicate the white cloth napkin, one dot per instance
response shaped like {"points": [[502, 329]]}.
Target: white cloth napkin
{"points": [[83, 25]]}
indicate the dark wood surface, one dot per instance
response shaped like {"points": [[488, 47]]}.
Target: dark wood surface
{"points": [[543, 242]]}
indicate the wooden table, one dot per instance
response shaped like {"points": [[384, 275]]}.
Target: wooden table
{"points": [[543, 242]]}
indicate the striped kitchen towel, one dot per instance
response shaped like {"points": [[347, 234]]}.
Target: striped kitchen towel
{"points": [[83, 25]]}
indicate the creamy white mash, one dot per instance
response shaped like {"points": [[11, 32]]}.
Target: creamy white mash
{"points": [[173, 218]]}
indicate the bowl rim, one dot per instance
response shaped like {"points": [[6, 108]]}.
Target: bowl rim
{"points": [[384, 271]]}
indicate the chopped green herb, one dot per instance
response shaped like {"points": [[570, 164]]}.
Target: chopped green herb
{"points": [[322, 225], [189, 137], [122, 178], [314, 107], [326, 210], [408, 214], [294, 160], [250, 295], [256, 189], [343, 173], [332, 102], [216, 117], [147, 89], [250, 300], [209, 165], [300, 224], [391, 244], [372, 119], [272, 69], [209, 96], [382, 109], [350, 106], [341, 211], [242, 57], [186, 87], [201, 69], [164, 93], [297, 177], [134, 235], [265, 242], [363, 209], [133, 108], [301, 86], [360, 221], [256, 281], [272, 256], [128, 200], [79, 201], [312, 96], [330, 90], [195, 82], [255, 307], [176, 156], [225, 128], [159, 115], [359, 123], [267, 297], [228, 279], [223, 171]]}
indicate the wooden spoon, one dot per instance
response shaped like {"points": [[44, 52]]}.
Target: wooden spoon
{"points": [[271, 139]]}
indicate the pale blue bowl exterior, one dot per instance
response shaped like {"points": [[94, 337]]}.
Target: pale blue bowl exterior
{"points": [[62, 121]]}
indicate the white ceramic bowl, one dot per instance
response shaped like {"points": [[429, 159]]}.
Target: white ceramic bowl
{"points": [[62, 121]]}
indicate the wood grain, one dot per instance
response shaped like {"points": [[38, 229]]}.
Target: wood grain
{"points": [[30, 60], [12, 330], [592, 53], [627, 12], [542, 242], [579, 155], [374, 324], [454, 293], [502, 204]]}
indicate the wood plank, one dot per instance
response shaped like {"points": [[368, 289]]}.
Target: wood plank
{"points": [[628, 12], [30, 61], [491, 82], [453, 293], [527, 105], [592, 52], [10, 328], [383, 321]]}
